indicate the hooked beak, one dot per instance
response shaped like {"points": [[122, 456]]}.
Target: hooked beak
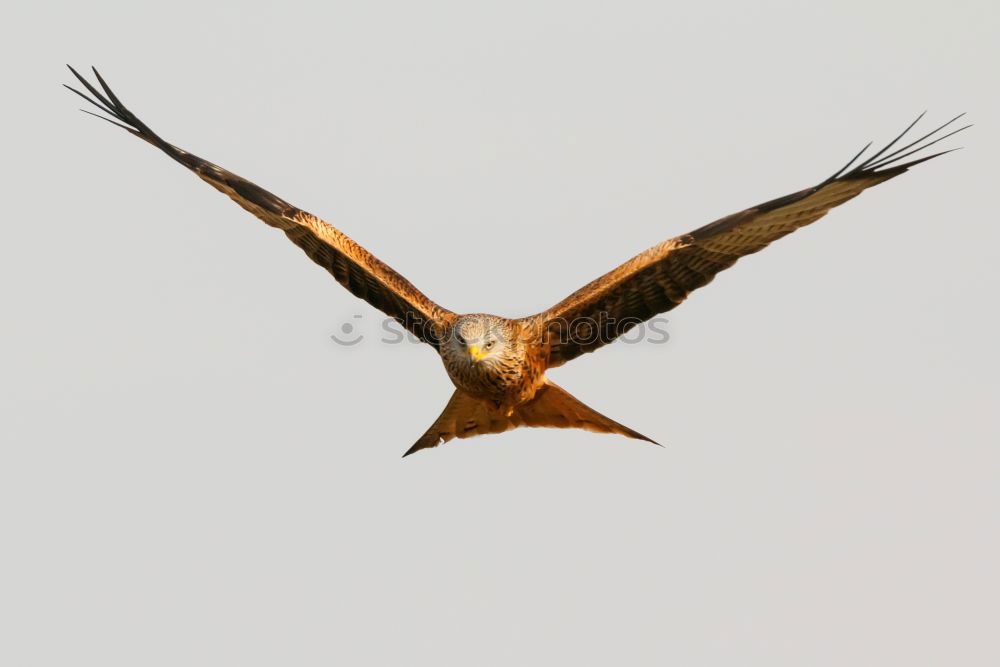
{"points": [[476, 353]]}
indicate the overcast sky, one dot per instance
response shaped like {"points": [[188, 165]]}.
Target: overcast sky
{"points": [[194, 473]]}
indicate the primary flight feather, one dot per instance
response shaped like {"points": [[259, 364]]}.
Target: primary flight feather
{"points": [[498, 364]]}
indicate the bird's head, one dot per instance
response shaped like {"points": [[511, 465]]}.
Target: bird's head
{"points": [[480, 338]]}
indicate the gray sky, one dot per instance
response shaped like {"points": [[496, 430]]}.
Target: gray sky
{"points": [[194, 473]]}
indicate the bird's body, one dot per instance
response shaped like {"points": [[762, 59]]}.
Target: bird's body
{"points": [[508, 373], [498, 365]]}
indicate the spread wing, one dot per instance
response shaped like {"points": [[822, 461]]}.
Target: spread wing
{"points": [[351, 265], [660, 278]]}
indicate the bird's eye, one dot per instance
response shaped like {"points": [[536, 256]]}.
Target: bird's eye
{"points": [[489, 344]]}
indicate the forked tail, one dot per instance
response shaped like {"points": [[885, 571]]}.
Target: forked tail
{"points": [[552, 406]]}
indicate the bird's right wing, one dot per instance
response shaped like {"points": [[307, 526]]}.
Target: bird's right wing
{"points": [[351, 265], [662, 277]]}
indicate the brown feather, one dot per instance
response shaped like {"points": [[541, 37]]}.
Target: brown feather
{"points": [[661, 278], [363, 274], [552, 406]]}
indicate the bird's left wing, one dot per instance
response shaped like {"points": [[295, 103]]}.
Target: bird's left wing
{"points": [[351, 265], [660, 278]]}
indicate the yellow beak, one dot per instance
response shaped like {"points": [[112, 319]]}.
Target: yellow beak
{"points": [[476, 353]]}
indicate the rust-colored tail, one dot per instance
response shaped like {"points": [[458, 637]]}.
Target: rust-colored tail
{"points": [[552, 406]]}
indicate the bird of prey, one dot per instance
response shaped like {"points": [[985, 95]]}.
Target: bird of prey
{"points": [[498, 364]]}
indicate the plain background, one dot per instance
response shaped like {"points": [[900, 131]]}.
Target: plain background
{"points": [[193, 473]]}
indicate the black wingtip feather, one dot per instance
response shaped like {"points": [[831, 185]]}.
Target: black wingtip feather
{"points": [[90, 100], [109, 103], [843, 169], [911, 163], [93, 91], [124, 127], [107, 89], [889, 145], [926, 136], [891, 159], [882, 163]]}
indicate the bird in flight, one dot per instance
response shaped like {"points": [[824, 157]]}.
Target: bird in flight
{"points": [[498, 364]]}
